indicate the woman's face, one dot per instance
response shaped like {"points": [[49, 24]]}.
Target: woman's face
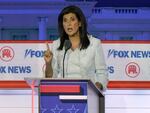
{"points": [[71, 24]]}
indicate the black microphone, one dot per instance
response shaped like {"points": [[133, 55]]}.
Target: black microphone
{"points": [[67, 45]]}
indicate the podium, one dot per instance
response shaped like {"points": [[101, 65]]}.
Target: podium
{"points": [[67, 96]]}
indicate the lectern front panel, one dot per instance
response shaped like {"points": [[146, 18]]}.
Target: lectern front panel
{"points": [[63, 97]]}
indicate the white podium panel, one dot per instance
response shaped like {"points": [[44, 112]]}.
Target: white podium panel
{"points": [[17, 101], [17, 110], [127, 101]]}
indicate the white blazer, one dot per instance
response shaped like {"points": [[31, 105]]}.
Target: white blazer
{"points": [[83, 64]]}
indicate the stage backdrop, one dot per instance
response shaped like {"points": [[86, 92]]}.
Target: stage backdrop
{"points": [[129, 61]]}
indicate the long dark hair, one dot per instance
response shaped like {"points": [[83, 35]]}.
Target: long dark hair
{"points": [[84, 40]]}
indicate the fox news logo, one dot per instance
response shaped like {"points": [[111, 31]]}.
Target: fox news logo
{"points": [[128, 54], [6, 53], [34, 53], [15, 69]]}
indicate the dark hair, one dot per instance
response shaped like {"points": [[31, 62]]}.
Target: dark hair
{"points": [[84, 40]]}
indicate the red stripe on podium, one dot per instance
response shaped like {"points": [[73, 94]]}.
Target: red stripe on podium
{"points": [[13, 84], [129, 84], [60, 88]]}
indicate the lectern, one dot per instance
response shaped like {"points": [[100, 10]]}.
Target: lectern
{"points": [[68, 96]]}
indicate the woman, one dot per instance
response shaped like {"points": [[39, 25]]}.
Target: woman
{"points": [[84, 58]]}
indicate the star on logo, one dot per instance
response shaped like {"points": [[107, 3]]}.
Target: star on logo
{"points": [[73, 109], [56, 110], [43, 109]]}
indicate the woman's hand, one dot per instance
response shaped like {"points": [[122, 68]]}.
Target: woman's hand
{"points": [[48, 55], [48, 60], [99, 85]]}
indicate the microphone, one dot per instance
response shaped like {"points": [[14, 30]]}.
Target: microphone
{"points": [[67, 45]]}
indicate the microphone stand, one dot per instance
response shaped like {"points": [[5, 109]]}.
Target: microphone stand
{"points": [[63, 63], [67, 45]]}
